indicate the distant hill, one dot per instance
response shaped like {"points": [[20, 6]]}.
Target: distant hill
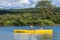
{"points": [[27, 10]]}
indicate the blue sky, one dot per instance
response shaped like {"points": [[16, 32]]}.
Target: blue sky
{"points": [[56, 2], [22, 3]]}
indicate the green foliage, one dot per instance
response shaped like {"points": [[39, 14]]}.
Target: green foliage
{"points": [[43, 14], [24, 19], [48, 22]]}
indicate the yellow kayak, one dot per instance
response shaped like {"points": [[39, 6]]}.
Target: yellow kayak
{"points": [[42, 31]]}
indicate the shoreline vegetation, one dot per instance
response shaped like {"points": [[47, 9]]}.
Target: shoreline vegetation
{"points": [[23, 20], [43, 14]]}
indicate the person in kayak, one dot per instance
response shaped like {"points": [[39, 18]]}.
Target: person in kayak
{"points": [[31, 27], [41, 28]]}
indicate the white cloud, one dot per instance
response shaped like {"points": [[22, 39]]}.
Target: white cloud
{"points": [[35, 0], [20, 3], [24, 1], [33, 5]]}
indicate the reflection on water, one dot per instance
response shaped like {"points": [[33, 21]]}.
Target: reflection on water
{"points": [[6, 33], [6, 36], [18, 36]]}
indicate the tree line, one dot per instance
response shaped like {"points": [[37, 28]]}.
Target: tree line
{"points": [[44, 13]]}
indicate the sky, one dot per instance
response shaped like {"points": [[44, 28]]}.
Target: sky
{"points": [[6, 4]]}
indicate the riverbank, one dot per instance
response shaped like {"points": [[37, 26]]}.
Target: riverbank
{"points": [[23, 20]]}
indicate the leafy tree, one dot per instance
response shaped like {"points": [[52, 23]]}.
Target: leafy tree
{"points": [[46, 9]]}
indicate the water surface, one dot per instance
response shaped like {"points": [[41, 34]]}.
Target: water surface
{"points": [[6, 33]]}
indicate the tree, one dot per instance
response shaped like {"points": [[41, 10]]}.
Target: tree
{"points": [[46, 9], [45, 4]]}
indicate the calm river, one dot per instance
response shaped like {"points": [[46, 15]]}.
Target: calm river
{"points": [[6, 33]]}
